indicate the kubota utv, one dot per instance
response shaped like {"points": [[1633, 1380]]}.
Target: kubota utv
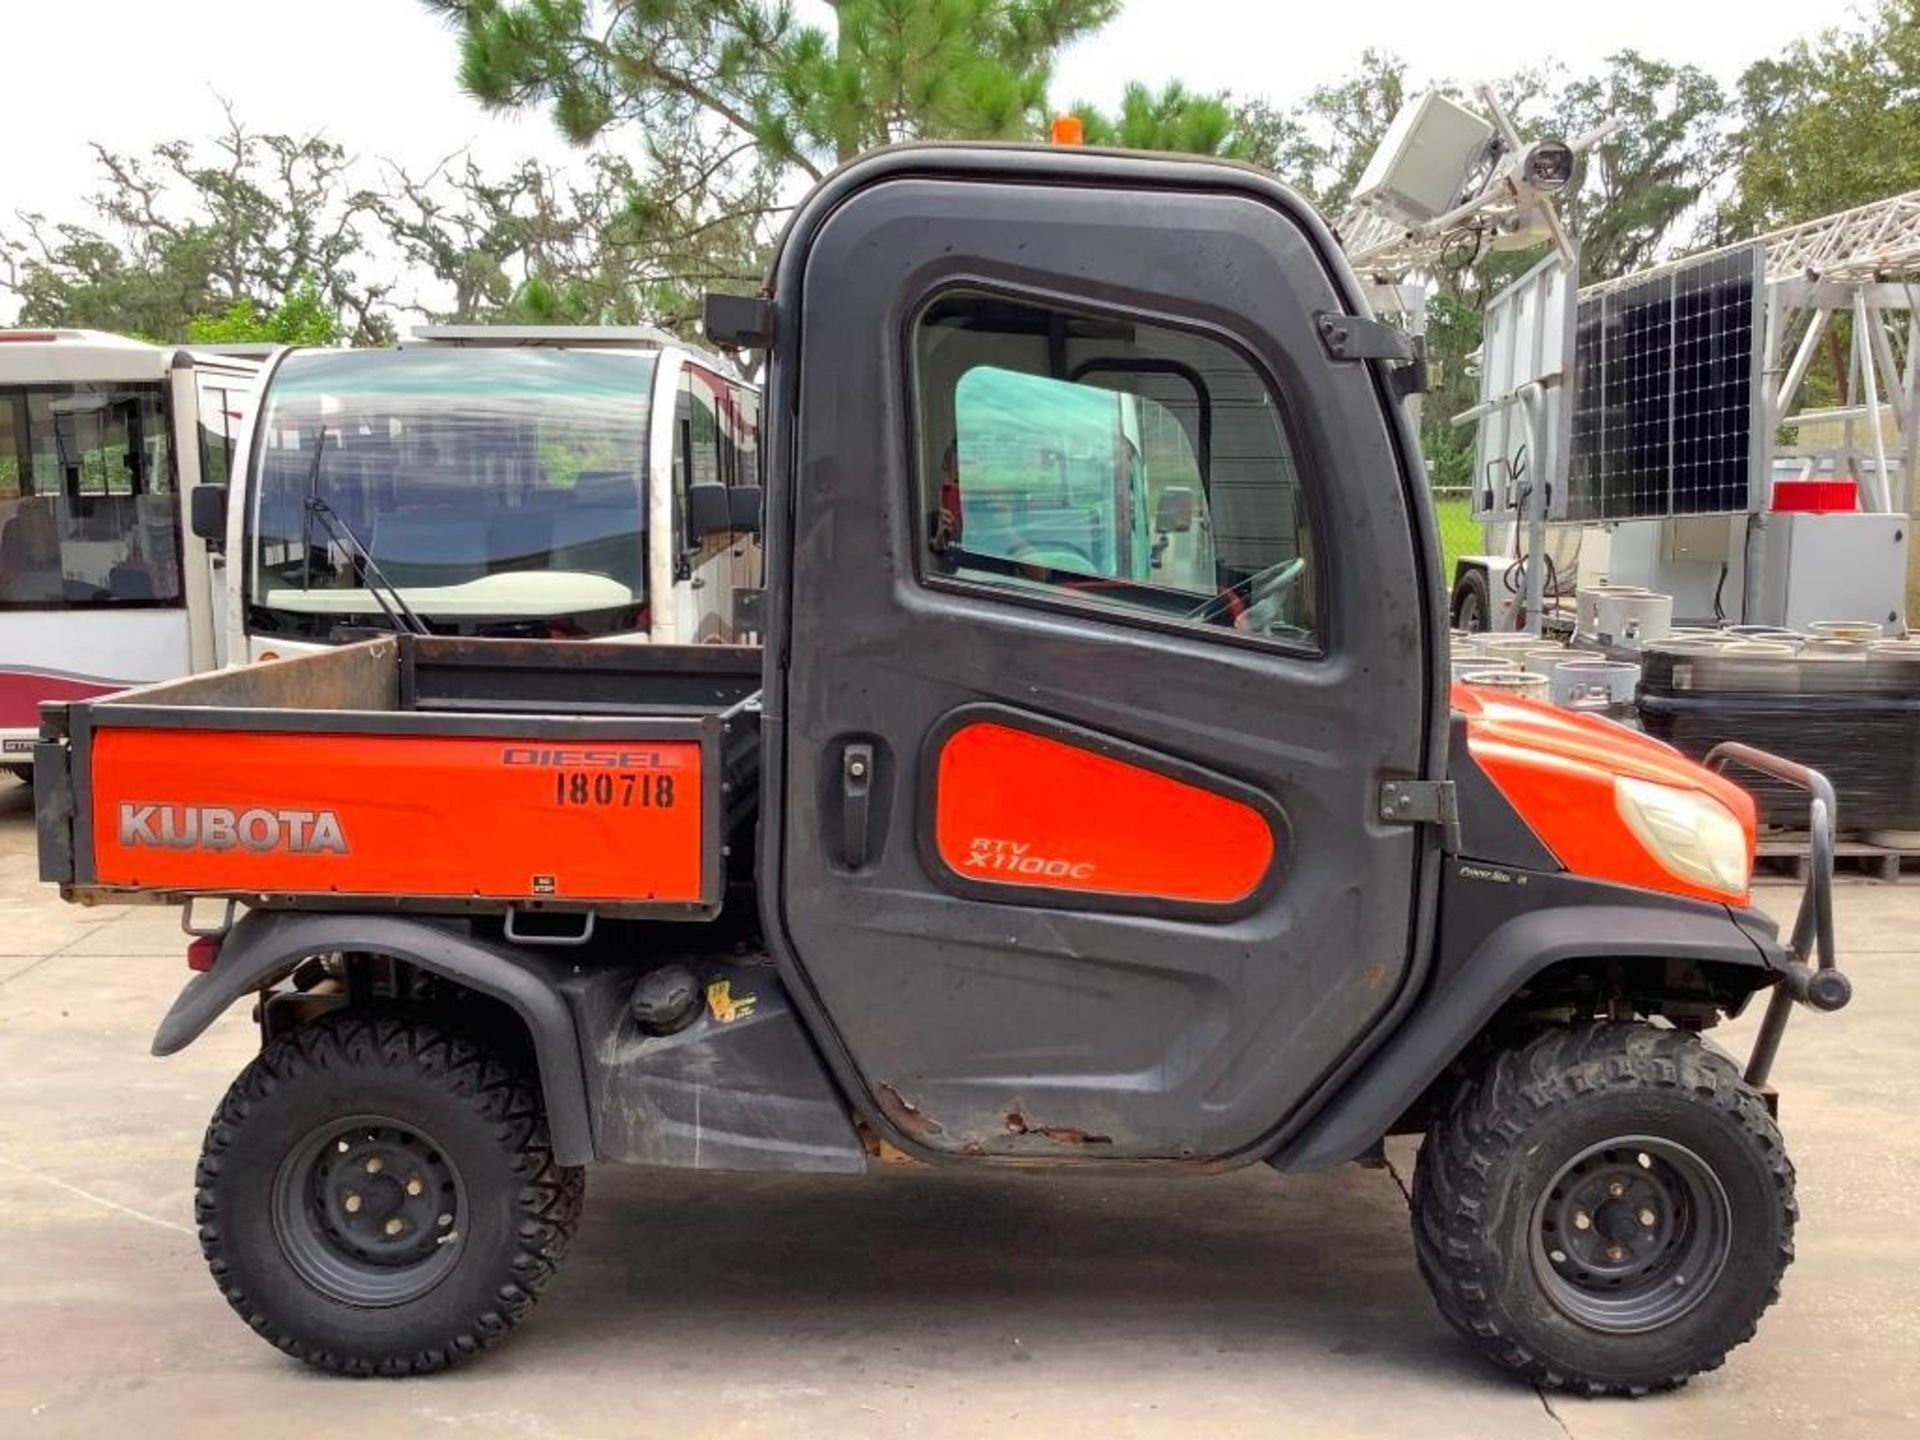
{"points": [[1097, 799]]}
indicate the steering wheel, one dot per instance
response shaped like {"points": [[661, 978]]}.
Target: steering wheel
{"points": [[1261, 587], [1052, 557]]}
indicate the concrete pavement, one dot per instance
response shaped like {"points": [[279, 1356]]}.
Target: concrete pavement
{"points": [[910, 1303]]}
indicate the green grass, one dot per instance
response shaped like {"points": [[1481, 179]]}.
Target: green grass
{"points": [[1459, 534]]}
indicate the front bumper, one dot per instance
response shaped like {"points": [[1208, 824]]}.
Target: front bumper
{"points": [[1809, 977]]}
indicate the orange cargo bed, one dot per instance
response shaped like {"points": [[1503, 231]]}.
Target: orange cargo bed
{"points": [[423, 773]]}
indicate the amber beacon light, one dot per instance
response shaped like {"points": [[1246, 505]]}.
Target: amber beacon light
{"points": [[1068, 130]]}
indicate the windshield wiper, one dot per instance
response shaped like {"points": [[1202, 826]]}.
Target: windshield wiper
{"points": [[399, 614]]}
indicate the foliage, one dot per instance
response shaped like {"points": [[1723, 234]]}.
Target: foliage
{"points": [[1833, 123], [726, 107], [188, 232], [1175, 118], [303, 318], [1636, 187], [617, 244], [1321, 145], [799, 96], [1453, 334]]}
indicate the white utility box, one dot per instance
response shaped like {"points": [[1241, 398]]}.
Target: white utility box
{"points": [[1807, 567], [1422, 162]]}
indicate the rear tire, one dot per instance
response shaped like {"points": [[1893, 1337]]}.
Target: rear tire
{"points": [[1606, 1209], [378, 1195]]}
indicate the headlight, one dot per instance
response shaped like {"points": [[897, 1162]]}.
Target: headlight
{"points": [[1691, 834]]}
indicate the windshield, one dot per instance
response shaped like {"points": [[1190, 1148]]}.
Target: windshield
{"points": [[500, 491]]}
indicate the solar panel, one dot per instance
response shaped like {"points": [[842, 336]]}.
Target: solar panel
{"points": [[1665, 379]]}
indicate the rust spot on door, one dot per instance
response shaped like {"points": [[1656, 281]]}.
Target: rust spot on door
{"points": [[1018, 1124], [906, 1115]]}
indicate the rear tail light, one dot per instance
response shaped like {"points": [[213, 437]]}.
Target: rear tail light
{"points": [[203, 951]]}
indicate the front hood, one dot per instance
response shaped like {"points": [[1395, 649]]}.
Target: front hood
{"points": [[1557, 768]]}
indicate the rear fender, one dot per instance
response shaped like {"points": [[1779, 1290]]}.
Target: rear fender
{"points": [[1499, 929], [265, 945]]}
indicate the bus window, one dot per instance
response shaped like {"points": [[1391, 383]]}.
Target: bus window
{"points": [[87, 509], [220, 411]]}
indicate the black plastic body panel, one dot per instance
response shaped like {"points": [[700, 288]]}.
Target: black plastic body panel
{"points": [[1500, 927], [53, 811], [1490, 828], [742, 1093], [263, 946], [965, 1028]]}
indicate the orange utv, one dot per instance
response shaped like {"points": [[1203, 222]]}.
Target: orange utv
{"points": [[1096, 800]]}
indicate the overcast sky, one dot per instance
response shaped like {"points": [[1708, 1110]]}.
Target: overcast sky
{"points": [[379, 74]]}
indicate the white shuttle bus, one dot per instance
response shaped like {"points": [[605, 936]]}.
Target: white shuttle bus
{"points": [[101, 440], [598, 483]]}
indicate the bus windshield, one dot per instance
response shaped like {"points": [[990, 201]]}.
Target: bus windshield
{"points": [[499, 491], [87, 511]]}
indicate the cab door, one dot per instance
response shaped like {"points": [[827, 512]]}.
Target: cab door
{"points": [[1072, 838]]}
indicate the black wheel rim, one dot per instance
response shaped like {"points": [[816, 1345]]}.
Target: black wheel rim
{"points": [[370, 1211], [1631, 1235]]}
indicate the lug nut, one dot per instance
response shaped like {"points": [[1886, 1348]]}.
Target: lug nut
{"points": [[1582, 1220], [1647, 1217], [1614, 1252], [414, 1187], [374, 1166], [445, 1220], [1616, 1189], [351, 1204], [395, 1225]]}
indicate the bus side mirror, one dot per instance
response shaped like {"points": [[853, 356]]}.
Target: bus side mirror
{"points": [[207, 513], [1174, 513], [709, 510], [746, 502]]}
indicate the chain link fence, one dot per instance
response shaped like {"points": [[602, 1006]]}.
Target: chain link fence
{"points": [[1459, 531]]}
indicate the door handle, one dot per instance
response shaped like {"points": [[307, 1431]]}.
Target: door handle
{"points": [[856, 795]]}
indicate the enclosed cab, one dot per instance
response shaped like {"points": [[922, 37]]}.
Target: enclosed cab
{"points": [[586, 483], [101, 439]]}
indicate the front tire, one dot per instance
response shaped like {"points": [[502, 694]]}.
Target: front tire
{"points": [[1606, 1209], [378, 1195]]}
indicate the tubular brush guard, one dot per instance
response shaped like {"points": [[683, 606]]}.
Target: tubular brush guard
{"points": [[1810, 977]]}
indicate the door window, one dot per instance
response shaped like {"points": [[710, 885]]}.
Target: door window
{"points": [[1075, 459]]}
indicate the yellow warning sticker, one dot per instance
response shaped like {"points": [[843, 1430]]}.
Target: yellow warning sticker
{"points": [[724, 1005]]}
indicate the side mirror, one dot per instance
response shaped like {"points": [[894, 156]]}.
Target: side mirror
{"points": [[207, 513], [746, 502], [709, 510], [1173, 515]]}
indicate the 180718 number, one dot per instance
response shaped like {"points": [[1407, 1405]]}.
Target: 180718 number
{"points": [[624, 791]]}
